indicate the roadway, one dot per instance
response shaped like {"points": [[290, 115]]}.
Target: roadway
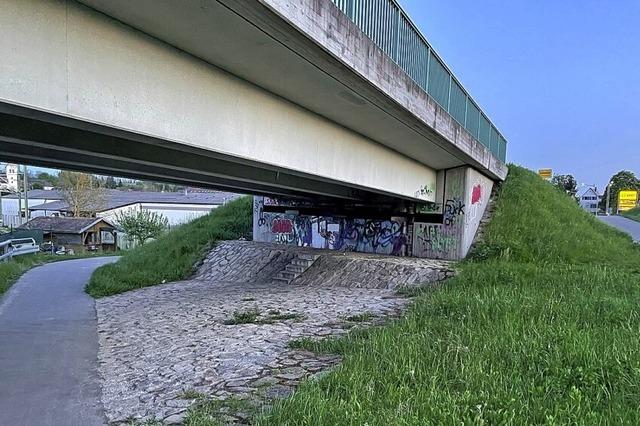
{"points": [[49, 348], [629, 226]]}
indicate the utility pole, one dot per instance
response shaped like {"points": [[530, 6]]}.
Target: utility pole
{"points": [[25, 182], [19, 205], [606, 210]]}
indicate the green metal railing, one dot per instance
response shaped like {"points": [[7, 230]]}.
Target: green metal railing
{"points": [[390, 28]]}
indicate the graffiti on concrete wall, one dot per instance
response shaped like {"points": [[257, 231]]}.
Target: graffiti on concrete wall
{"points": [[476, 209], [442, 240], [360, 235], [433, 238], [429, 208], [424, 191], [453, 209]]}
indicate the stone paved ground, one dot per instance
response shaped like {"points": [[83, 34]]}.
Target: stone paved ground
{"points": [[158, 342]]}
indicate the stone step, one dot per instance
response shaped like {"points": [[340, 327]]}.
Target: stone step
{"points": [[308, 256], [287, 274], [296, 267], [282, 280], [302, 262]]}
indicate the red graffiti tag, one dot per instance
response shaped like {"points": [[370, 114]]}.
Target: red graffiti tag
{"points": [[476, 195], [282, 226]]}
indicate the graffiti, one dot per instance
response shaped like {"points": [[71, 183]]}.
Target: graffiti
{"points": [[326, 232], [359, 235], [424, 191], [302, 229], [372, 236], [258, 211], [433, 240], [478, 205], [452, 209], [476, 194], [281, 202], [282, 226], [429, 208]]}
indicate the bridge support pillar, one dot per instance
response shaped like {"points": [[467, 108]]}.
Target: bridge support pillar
{"points": [[463, 196]]}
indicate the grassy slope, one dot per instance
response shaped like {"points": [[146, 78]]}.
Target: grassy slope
{"points": [[633, 214], [11, 270], [543, 330], [172, 256]]}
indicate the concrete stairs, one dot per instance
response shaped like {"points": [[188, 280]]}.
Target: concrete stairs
{"points": [[296, 267]]}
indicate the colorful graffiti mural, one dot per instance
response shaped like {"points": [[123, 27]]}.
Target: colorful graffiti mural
{"points": [[360, 235]]}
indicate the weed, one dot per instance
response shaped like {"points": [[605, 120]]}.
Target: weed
{"points": [[191, 394], [363, 317], [249, 316]]}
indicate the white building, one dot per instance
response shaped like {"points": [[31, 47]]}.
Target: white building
{"points": [[12, 175], [589, 199], [13, 203], [177, 207]]}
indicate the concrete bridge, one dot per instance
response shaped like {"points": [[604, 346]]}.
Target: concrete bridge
{"points": [[339, 112]]}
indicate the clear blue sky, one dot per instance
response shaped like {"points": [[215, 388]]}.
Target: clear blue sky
{"points": [[560, 79]]}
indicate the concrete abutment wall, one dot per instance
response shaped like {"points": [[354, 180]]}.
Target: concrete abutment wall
{"points": [[443, 230]]}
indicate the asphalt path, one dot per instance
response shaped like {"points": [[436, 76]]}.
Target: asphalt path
{"points": [[49, 348], [629, 226]]}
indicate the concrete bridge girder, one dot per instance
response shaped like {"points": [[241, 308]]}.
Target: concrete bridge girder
{"points": [[67, 60]]}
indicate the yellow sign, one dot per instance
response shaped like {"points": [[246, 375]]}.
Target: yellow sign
{"points": [[545, 173], [627, 200]]}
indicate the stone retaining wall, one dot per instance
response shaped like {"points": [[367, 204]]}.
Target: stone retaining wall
{"points": [[247, 262]]}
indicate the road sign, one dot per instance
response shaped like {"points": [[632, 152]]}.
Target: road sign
{"points": [[627, 200], [545, 173]]}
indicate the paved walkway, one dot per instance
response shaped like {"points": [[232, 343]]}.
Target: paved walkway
{"points": [[629, 226], [48, 348]]}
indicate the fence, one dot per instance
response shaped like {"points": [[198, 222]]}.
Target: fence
{"points": [[390, 28]]}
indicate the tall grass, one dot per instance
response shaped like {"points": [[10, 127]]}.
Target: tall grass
{"points": [[633, 214], [173, 256], [541, 326]]}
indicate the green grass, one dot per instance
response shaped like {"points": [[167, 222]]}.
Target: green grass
{"points": [[172, 256], [633, 214], [248, 316], [13, 269], [540, 326], [212, 412]]}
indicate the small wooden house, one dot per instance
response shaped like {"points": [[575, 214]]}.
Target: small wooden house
{"points": [[79, 233]]}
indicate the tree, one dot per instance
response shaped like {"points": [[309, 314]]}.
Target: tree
{"points": [[82, 193], [140, 225], [619, 182], [50, 179], [566, 184]]}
